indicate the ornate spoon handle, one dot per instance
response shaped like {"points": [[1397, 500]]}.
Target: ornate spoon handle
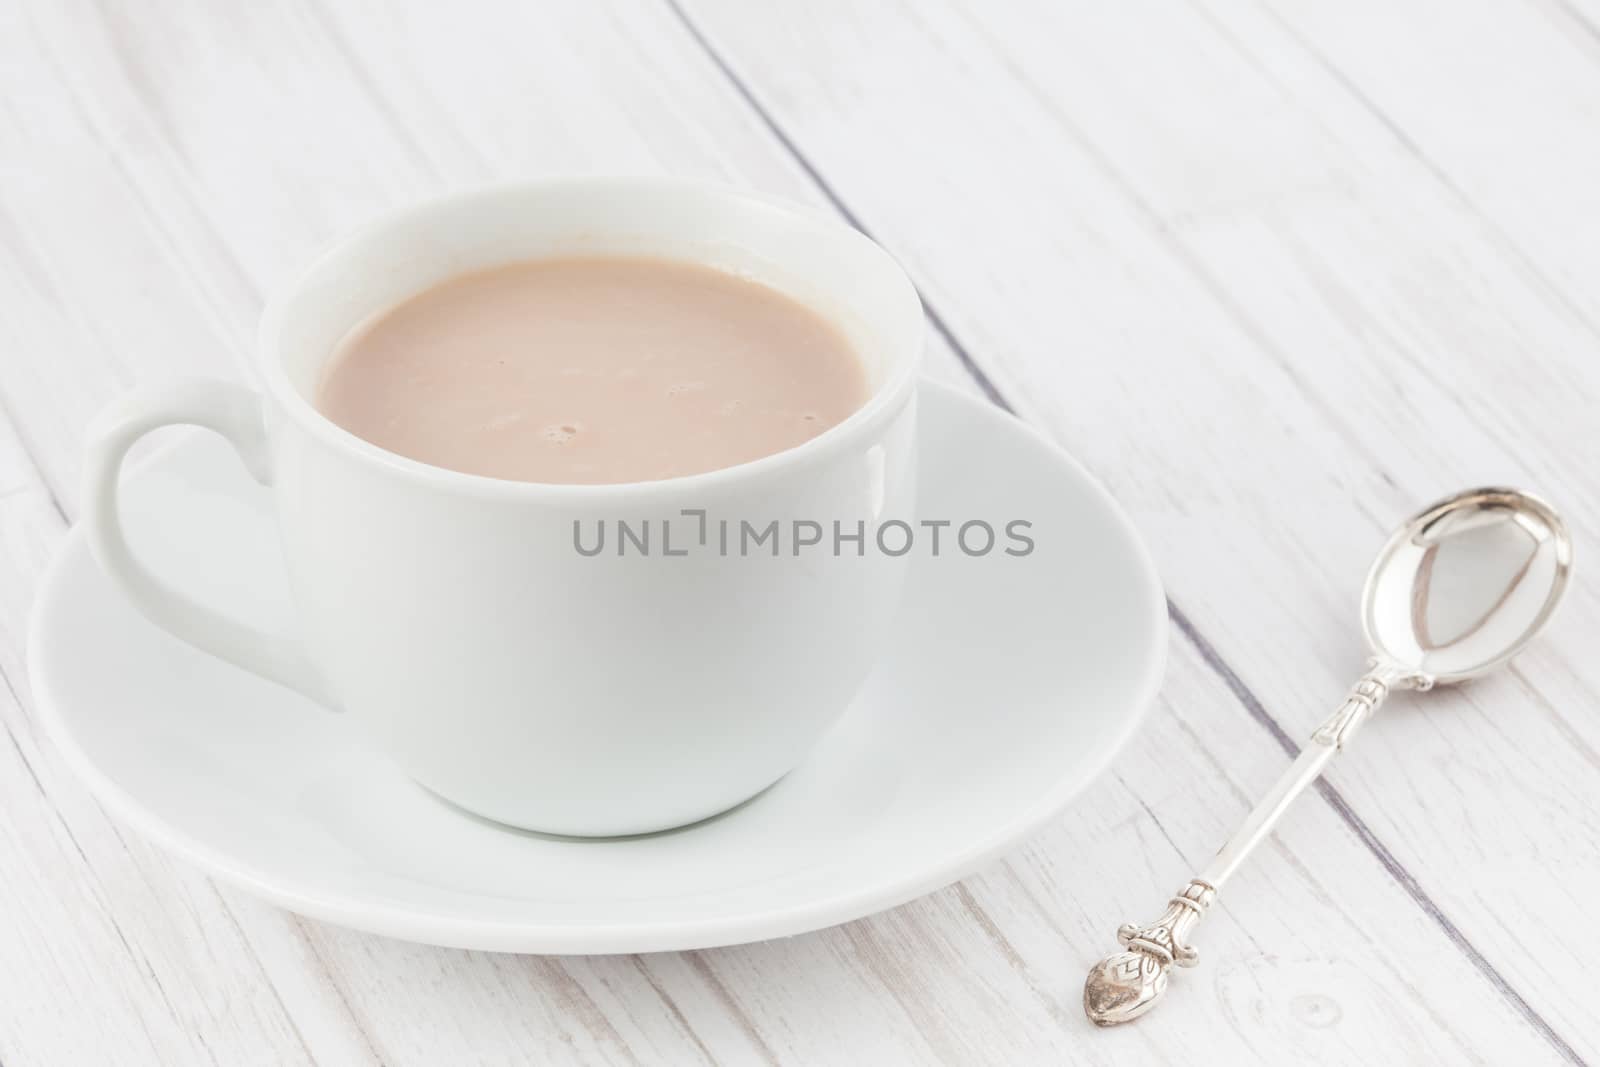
{"points": [[1125, 985]]}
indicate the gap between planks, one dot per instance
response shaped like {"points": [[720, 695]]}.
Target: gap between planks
{"points": [[1246, 698]]}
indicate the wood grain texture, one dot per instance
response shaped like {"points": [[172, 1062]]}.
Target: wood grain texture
{"points": [[1385, 355], [1258, 266]]}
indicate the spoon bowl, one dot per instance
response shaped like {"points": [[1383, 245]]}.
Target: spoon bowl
{"points": [[1466, 583]]}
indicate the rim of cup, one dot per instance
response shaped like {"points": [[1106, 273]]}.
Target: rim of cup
{"points": [[887, 399]]}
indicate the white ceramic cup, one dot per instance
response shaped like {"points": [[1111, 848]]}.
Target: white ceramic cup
{"points": [[452, 614]]}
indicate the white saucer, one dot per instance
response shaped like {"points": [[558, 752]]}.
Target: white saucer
{"points": [[1012, 684]]}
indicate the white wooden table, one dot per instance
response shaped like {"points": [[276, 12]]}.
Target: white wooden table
{"points": [[1278, 272]]}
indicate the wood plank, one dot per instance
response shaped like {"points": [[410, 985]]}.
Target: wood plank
{"points": [[1274, 341], [160, 137]]}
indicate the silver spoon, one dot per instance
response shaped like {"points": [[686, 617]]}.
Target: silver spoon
{"points": [[1457, 591]]}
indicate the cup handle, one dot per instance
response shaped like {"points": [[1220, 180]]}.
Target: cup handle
{"points": [[236, 414]]}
